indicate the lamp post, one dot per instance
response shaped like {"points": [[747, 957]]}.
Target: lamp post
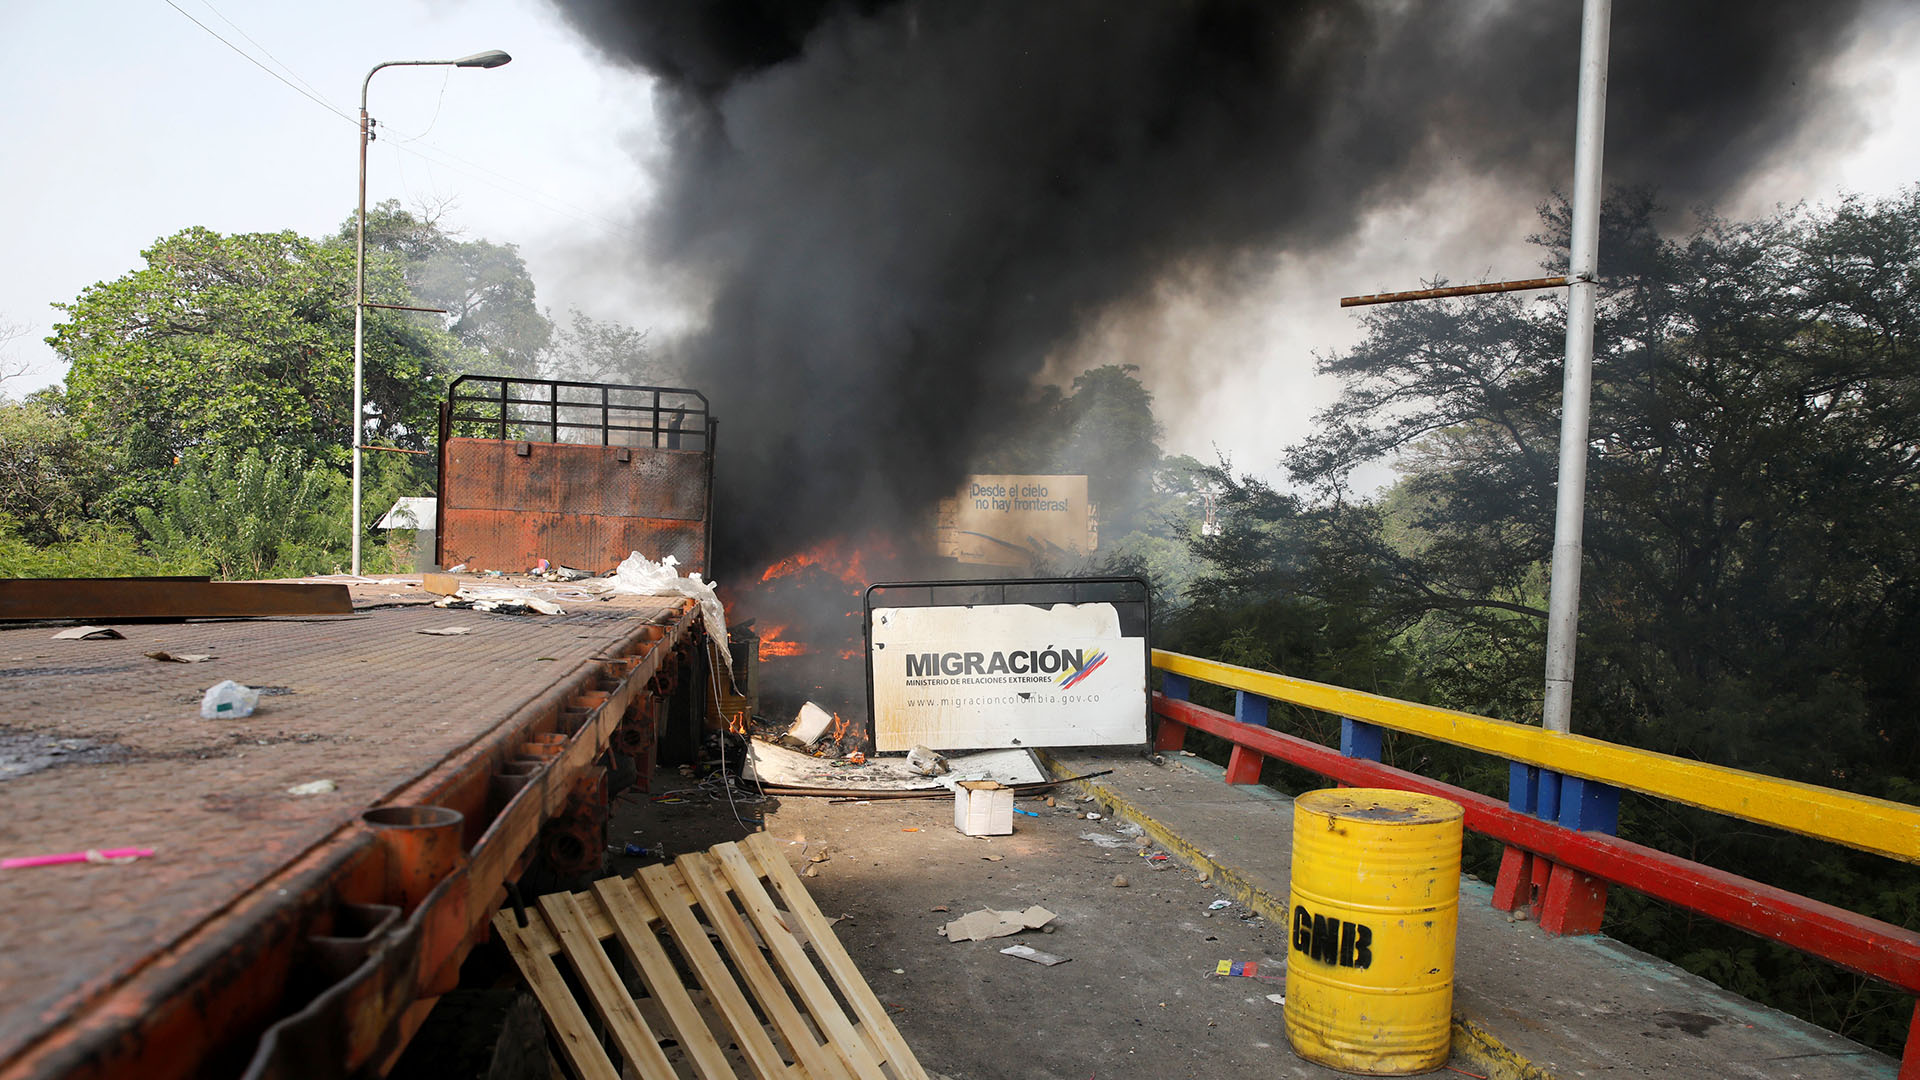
{"points": [[492, 58]]}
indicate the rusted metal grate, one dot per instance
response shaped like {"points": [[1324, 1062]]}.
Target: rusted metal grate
{"points": [[773, 994]]}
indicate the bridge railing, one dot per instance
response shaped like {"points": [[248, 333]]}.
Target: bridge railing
{"points": [[1562, 811]]}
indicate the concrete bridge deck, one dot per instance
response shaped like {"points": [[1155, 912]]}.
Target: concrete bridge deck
{"points": [[1526, 1004]]}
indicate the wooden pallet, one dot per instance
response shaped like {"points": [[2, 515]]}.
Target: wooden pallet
{"points": [[763, 1005]]}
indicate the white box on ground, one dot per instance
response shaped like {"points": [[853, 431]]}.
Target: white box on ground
{"points": [[983, 808]]}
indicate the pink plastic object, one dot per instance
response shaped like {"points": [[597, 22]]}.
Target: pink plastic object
{"points": [[115, 854]]}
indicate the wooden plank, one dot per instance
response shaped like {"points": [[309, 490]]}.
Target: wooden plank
{"points": [[696, 872], [583, 1051], [663, 981], [167, 598], [615, 1006], [1877, 825], [794, 964], [772, 864]]}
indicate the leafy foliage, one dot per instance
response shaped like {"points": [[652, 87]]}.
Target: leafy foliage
{"points": [[483, 286], [245, 340], [1751, 587], [596, 350], [249, 515], [92, 550], [51, 481]]}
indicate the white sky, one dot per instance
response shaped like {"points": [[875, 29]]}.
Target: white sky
{"points": [[127, 122]]}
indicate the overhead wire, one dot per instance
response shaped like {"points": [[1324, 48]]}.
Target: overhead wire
{"points": [[238, 29], [316, 99], [408, 145]]}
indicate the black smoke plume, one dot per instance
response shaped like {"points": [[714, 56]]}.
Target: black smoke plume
{"points": [[901, 210]]}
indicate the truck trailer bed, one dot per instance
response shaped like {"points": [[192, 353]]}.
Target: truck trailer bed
{"points": [[274, 933]]}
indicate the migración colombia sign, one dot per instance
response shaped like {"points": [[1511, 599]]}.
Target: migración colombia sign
{"points": [[1002, 675]]}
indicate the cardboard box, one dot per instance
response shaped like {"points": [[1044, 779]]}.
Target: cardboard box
{"points": [[983, 808]]}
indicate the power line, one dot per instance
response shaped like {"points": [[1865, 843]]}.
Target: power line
{"points": [[500, 182], [249, 58], [268, 52]]}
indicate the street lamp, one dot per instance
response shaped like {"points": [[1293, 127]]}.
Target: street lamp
{"points": [[492, 58]]}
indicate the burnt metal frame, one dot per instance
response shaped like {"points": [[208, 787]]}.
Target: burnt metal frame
{"points": [[1145, 602], [450, 414], [688, 408]]}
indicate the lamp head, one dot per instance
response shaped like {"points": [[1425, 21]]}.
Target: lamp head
{"points": [[492, 58]]}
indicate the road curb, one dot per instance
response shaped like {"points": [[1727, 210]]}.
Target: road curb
{"points": [[1472, 1042]]}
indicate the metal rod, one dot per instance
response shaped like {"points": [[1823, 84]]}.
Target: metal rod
{"points": [[359, 428], [403, 307], [1455, 290], [394, 450], [491, 59], [1563, 600]]}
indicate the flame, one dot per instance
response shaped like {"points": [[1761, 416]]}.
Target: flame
{"points": [[840, 557], [772, 644]]}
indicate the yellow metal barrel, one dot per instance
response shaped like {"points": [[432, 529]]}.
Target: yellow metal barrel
{"points": [[1375, 901]]}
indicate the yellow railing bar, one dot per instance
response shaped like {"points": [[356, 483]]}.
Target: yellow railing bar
{"points": [[1877, 825]]}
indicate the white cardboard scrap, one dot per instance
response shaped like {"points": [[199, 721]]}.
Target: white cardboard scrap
{"points": [[1025, 952], [779, 766]]}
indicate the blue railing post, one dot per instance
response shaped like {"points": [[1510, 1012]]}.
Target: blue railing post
{"points": [[1589, 806], [1250, 708], [1523, 787], [1177, 687], [1359, 739]]}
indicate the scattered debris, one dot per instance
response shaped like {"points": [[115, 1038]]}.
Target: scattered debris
{"points": [[988, 923], [316, 787], [1120, 881], [448, 631], [106, 857], [87, 633], [178, 658], [500, 602], [1024, 813], [1104, 840], [1277, 999], [811, 723], [1028, 953], [1249, 969], [1092, 816], [983, 808], [1218, 904], [924, 762], [228, 700]]}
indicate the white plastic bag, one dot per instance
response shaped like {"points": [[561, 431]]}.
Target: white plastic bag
{"points": [[642, 576], [228, 700]]}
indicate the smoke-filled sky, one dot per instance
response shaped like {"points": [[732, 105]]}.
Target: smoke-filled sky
{"points": [[882, 220], [899, 214]]}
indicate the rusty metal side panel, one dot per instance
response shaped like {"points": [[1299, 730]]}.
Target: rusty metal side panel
{"points": [[506, 505]]}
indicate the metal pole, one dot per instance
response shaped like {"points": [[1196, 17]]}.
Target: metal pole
{"points": [[354, 437], [1563, 602], [492, 58]]}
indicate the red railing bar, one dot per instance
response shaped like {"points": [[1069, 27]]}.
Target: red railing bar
{"points": [[1855, 942]]}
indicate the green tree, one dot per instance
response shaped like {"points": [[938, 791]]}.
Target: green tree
{"points": [[249, 515], [244, 340], [1751, 586], [484, 287], [597, 350], [51, 481]]}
